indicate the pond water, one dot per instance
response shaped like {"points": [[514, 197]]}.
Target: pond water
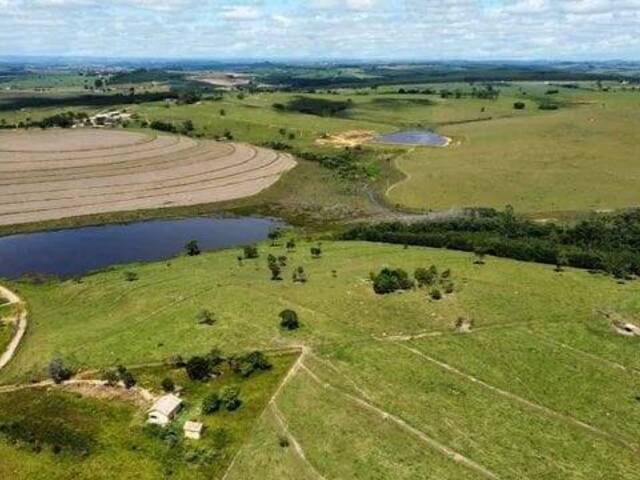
{"points": [[78, 251], [415, 137]]}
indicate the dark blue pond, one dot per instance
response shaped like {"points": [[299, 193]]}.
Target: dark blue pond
{"points": [[80, 250], [415, 137]]}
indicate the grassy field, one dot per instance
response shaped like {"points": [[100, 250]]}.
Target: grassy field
{"points": [[105, 439], [542, 387], [541, 161]]}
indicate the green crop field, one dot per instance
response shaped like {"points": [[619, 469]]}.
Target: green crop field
{"points": [[542, 386]]}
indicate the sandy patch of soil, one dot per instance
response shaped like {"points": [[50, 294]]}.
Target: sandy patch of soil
{"points": [[101, 391], [621, 325], [350, 138], [65, 173]]}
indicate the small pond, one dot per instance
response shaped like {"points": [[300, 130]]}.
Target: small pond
{"points": [[414, 137], [78, 251]]}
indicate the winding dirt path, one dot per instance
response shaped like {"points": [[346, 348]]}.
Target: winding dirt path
{"points": [[21, 328]]}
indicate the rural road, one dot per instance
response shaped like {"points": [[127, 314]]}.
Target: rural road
{"points": [[21, 328]]}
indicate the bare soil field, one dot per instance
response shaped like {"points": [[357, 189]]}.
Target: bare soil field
{"points": [[54, 174]]}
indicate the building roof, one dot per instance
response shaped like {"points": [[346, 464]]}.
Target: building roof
{"points": [[166, 405], [195, 427]]}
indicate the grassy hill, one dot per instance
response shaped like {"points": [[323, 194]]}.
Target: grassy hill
{"points": [[542, 386]]}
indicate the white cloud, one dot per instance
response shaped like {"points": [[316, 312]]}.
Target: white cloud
{"points": [[241, 13]]}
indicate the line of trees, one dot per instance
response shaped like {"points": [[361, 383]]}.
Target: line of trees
{"points": [[609, 243]]}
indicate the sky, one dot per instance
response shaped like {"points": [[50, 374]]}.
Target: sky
{"points": [[324, 29]]}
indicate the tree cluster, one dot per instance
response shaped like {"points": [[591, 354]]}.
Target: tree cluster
{"points": [[609, 243]]}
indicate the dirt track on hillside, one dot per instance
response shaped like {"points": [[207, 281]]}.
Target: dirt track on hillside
{"points": [[54, 174]]}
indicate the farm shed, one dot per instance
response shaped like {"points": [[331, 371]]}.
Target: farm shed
{"points": [[164, 410]]}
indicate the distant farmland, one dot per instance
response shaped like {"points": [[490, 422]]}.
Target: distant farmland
{"points": [[59, 174]]}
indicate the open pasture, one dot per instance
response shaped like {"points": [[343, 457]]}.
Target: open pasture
{"points": [[541, 387], [56, 174]]}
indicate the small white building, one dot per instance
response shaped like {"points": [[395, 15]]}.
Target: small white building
{"points": [[164, 410], [193, 430]]}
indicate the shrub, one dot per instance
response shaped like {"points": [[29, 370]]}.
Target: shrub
{"points": [[168, 385], [128, 379], [448, 287], [111, 377], [248, 364], [519, 105], [299, 275], [316, 252], [389, 281], [192, 248], [289, 320], [198, 368], [58, 371], [130, 276], [276, 271], [250, 251], [435, 294], [291, 244], [230, 398], [426, 276], [211, 404], [283, 441]]}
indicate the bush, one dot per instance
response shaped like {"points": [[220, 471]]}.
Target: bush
{"points": [[248, 364], [230, 398], [58, 371], [316, 252], [426, 276], [198, 368], [389, 281], [435, 294], [299, 275], [130, 276], [211, 404], [250, 251], [192, 248], [168, 385], [289, 320], [519, 105]]}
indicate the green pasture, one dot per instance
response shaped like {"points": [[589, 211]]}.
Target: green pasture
{"points": [[542, 387]]}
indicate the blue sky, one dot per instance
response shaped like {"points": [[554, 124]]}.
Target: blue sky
{"points": [[312, 29]]}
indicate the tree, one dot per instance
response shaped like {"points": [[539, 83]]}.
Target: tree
{"points": [[289, 320], [480, 253], [168, 385], [250, 251], [291, 244], [282, 261], [274, 235], [519, 105], [198, 368], [230, 398], [390, 280], [276, 271], [128, 379], [58, 371], [316, 252], [211, 404], [299, 275], [193, 249], [435, 294]]}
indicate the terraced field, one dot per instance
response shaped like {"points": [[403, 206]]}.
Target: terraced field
{"points": [[47, 175]]}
